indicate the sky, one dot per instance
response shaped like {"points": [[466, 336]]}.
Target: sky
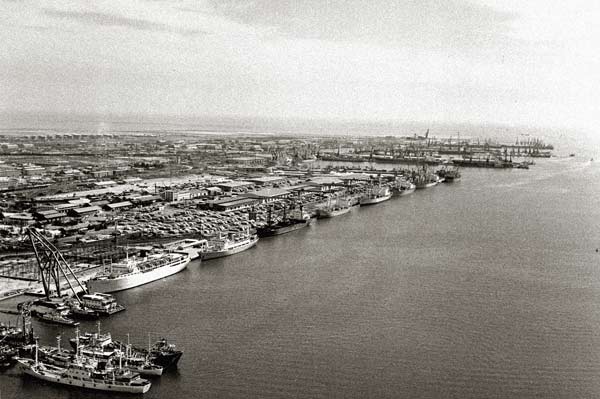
{"points": [[515, 62]]}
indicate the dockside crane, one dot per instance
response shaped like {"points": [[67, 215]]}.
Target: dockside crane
{"points": [[52, 265]]}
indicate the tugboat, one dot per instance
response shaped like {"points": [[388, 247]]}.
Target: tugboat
{"points": [[85, 372], [164, 354]]}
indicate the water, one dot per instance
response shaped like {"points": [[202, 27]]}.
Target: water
{"points": [[488, 287]]}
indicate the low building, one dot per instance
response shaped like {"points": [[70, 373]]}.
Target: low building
{"points": [[268, 194], [268, 180], [49, 215], [231, 204], [19, 219], [118, 206], [235, 186], [86, 211]]}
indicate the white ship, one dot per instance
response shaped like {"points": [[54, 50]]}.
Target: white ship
{"points": [[136, 272], [84, 372], [230, 245], [376, 195]]}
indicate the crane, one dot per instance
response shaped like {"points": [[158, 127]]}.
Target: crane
{"points": [[52, 265]]}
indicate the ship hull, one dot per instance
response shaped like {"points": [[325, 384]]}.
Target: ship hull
{"points": [[426, 185], [135, 280], [228, 252], [328, 213], [81, 383], [373, 201], [167, 361], [407, 191], [275, 231]]}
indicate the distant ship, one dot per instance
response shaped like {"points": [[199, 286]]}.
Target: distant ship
{"points": [[285, 225], [136, 272], [337, 208], [85, 372], [425, 179], [375, 195], [229, 245], [403, 188], [449, 175]]}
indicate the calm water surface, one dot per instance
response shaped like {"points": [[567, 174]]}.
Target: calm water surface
{"points": [[485, 288]]}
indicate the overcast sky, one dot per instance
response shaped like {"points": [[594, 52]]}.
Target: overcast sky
{"points": [[534, 62]]}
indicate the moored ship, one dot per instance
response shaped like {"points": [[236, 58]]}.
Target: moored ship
{"points": [[285, 225], [84, 372], [402, 188], [103, 304], [7, 356], [375, 195], [232, 244], [162, 353], [334, 208], [135, 272], [449, 175], [425, 179]]}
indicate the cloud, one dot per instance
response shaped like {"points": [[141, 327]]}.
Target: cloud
{"points": [[111, 20], [412, 23]]}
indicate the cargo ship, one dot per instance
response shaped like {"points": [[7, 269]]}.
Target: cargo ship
{"points": [[403, 188], [285, 225], [375, 195], [136, 272], [337, 208]]}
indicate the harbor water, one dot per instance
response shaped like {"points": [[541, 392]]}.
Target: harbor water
{"points": [[485, 288]]}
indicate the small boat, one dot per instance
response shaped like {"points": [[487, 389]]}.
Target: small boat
{"points": [[7, 356], [56, 318], [77, 311]]}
